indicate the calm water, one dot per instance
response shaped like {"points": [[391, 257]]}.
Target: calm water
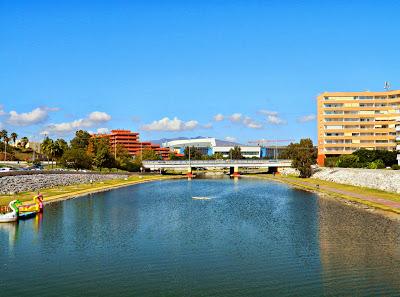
{"points": [[253, 238]]}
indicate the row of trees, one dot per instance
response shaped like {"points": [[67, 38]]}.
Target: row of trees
{"points": [[85, 152], [197, 154], [13, 136], [5, 140]]}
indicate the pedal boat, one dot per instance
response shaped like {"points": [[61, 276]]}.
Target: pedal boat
{"points": [[36, 207], [30, 210], [11, 216]]}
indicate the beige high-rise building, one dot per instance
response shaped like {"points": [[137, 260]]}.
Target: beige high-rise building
{"points": [[348, 121]]}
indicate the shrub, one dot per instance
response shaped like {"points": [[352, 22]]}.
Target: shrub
{"points": [[395, 167], [331, 161], [377, 164], [346, 161], [387, 157]]}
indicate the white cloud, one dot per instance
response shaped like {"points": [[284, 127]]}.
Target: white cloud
{"points": [[275, 120], [98, 117], [272, 117], [93, 119], [36, 116], [230, 139], [236, 117], [175, 124], [250, 123], [207, 126], [244, 120], [307, 118], [219, 117], [102, 131], [268, 112]]}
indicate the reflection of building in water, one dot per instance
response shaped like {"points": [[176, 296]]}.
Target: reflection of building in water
{"points": [[359, 250]]}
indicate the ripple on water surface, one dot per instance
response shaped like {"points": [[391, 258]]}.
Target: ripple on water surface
{"points": [[252, 238]]}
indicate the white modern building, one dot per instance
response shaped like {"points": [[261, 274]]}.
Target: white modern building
{"points": [[210, 146], [247, 151]]}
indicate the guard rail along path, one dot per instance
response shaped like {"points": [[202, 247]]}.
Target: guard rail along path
{"points": [[233, 164]]}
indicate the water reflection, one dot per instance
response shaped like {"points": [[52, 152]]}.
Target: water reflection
{"points": [[354, 245], [252, 238], [11, 231]]}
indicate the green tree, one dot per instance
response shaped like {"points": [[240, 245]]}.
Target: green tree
{"points": [[60, 146], [348, 161], [150, 155], [76, 158], [173, 156], [236, 153], [99, 150], [217, 156], [81, 140], [6, 140], [103, 157], [14, 137], [303, 156], [377, 164], [24, 141], [125, 160], [3, 134], [48, 149], [195, 153]]}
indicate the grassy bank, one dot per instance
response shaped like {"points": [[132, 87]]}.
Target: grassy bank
{"points": [[373, 198], [65, 192]]}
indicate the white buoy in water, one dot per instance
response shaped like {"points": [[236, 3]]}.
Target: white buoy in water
{"points": [[201, 198]]}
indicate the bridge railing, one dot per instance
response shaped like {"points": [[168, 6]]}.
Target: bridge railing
{"points": [[210, 162]]}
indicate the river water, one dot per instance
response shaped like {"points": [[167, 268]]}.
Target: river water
{"points": [[252, 238]]}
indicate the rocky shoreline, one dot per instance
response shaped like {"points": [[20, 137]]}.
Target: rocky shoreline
{"points": [[27, 183]]}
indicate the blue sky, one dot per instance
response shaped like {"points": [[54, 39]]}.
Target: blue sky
{"points": [[167, 68]]}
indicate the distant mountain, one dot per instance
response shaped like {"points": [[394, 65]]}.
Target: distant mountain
{"points": [[219, 142]]}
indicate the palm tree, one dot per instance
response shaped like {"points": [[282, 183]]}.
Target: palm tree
{"points": [[48, 148], [14, 137], [6, 141], [24, 141], [3, 134]]}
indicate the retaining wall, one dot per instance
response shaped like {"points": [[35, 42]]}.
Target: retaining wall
{"points": [[380, 179], [35, 182]]}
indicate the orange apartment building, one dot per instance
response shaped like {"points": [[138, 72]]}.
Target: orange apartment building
{"points": [[130, 141], [348, 121]]}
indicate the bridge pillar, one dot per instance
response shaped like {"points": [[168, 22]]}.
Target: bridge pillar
{"points": [[189, 172], [234, 171]]}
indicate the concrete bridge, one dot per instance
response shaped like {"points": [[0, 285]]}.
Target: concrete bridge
{"points": [[234, 165]]}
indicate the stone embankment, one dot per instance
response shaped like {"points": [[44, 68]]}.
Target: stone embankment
{"points": [[25, 183], [380, 179]]}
